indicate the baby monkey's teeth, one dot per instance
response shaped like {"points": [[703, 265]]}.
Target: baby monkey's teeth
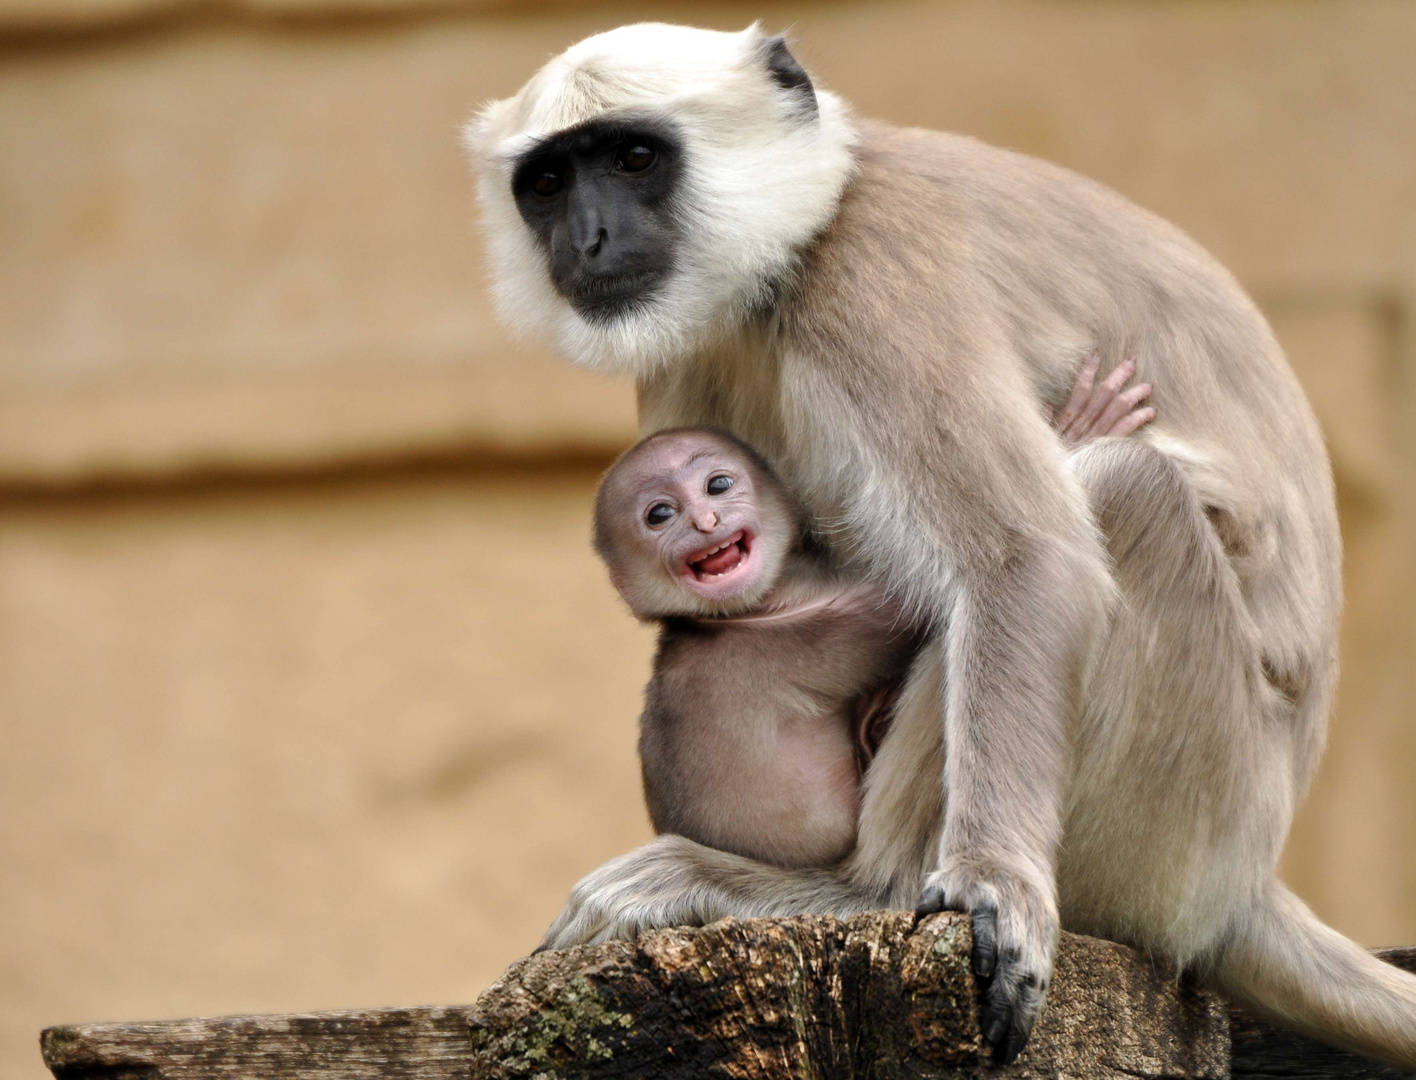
{"points": [[733, 551]]}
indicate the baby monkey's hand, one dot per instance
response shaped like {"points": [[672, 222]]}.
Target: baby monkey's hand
{"points": [[1104, 408]]}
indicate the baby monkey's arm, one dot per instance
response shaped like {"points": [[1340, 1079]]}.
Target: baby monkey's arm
{"points": [[1102, 408]]}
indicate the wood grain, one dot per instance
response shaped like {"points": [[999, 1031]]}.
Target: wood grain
{"points": [[876, 996], [361, 1044]]}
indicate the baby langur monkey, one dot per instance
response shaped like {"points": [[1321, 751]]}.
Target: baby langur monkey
{"points": [[776, 673]]}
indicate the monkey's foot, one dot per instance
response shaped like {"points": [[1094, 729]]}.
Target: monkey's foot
{"points": [[1015, 930], [617, 901], [667, 882]]}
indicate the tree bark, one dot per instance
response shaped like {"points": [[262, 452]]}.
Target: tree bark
{"points": [[872, 996]]}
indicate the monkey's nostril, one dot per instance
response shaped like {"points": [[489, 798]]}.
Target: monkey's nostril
{"points": [[585, 240]]}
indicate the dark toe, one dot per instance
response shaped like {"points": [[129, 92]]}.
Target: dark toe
{"points": [[985, 940], [931, 901], [1012, 1046], [1011, 1004]]}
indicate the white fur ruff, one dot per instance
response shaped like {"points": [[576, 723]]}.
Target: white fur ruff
{"points": [[760, 179]]}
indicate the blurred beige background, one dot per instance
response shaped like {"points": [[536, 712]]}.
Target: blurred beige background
{"points": [[311, 694]]}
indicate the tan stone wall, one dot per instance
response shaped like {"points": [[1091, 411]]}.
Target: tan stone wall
{"points": [[312, 694]]}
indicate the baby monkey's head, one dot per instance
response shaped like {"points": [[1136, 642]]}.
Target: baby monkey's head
{"points": [[693, 522]]}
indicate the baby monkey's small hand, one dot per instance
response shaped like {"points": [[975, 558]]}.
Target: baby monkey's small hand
{"points": [[1104, 408]]}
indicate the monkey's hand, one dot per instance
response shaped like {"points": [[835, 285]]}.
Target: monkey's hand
{"points": [[1103, 408], [652, 886], [1015, 930]]}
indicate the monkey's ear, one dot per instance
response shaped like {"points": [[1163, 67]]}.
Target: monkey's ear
{"points": [[786, 72]]}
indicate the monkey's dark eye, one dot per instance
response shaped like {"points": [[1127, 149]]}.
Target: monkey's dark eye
{"points": [[659, 513], [718, 484], [548, 183], [635, 158]]}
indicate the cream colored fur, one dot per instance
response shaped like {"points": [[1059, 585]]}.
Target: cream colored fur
{"points": [[751, 203], [1137, 643]]}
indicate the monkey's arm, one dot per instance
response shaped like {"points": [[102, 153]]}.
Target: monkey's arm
{"points": [[672, 881], [964, 502], [1013, 672]]}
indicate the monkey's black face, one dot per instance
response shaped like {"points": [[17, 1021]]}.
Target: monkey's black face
{"points": [[600, 199]]}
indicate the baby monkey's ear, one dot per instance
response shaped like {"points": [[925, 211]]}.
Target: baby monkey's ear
{"points": [[786, 72]]}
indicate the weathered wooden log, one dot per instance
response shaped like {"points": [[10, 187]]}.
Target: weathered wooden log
{"points": [[875, 996], [358, 1044], [870, 996]]}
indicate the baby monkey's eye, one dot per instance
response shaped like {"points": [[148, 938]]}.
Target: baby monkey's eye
{"points": [[658, 513], [718, 484]]}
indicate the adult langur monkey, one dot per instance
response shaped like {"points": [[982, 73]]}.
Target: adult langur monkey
{"points": [[1123, 728]]}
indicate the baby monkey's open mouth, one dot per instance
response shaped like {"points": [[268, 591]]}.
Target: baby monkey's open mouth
{"points": [[721, 559]]}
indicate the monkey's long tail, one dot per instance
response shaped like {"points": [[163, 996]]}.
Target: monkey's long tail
{"points": [[1288, 967]]}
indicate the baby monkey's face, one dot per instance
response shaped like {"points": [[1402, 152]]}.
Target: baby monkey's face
{"points": [[695, 526]]}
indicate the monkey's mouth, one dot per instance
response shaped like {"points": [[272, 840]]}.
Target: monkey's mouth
{"points": [[723, 559], [600, 297]]}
